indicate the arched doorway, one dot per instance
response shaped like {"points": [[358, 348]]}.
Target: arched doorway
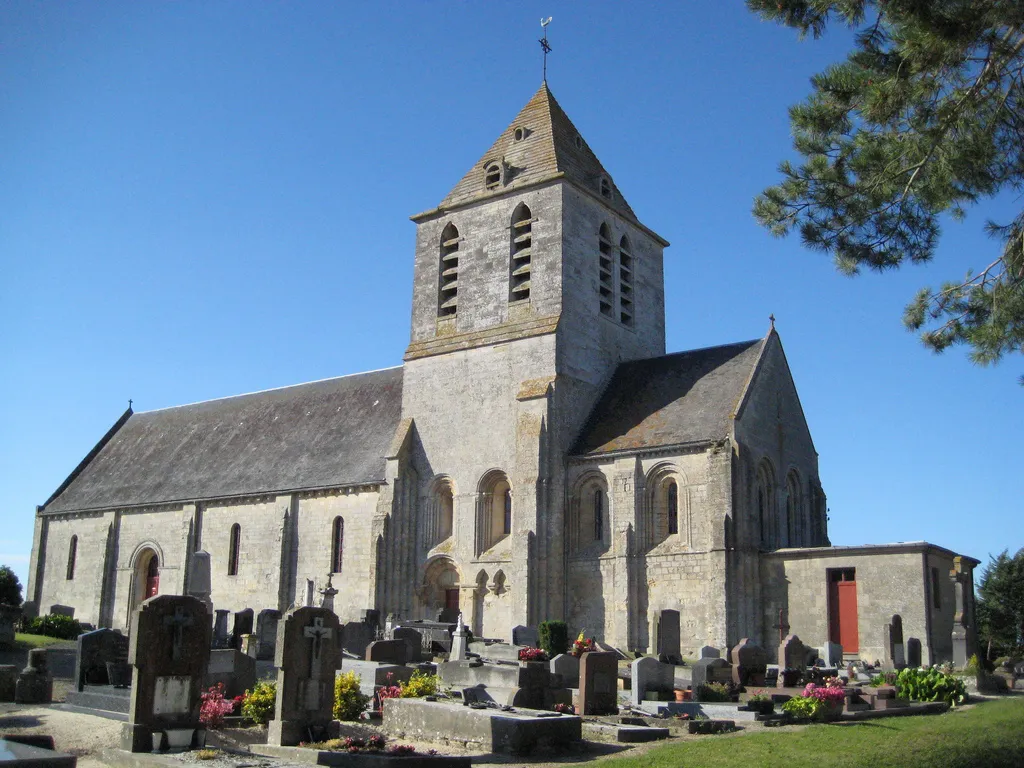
{"points": [[440, 589], [146, 581]]}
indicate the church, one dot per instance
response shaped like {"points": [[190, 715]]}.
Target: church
{"points": [[538, 455]]}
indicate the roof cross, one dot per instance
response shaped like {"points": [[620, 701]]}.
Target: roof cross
{"points": [[544, 45]]}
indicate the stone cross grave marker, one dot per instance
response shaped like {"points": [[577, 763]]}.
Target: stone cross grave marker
{"points": [[307, 657], [169, 649], [599, 673]]}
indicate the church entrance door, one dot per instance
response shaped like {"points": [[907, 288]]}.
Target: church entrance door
{"points": [[842, 607], [451, 601]]}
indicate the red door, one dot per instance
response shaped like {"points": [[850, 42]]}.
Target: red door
{"points": [[842, 601], [152, 578], [451, 601]]}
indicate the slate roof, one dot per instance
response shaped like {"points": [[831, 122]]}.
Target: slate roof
{"points": [[549, 147], [676, 399], [324, 434]]}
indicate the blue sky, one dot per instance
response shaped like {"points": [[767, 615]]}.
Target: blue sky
{"points": [[205, 199]]}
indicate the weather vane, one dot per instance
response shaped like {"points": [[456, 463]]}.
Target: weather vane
{"points": [[544, 45]]}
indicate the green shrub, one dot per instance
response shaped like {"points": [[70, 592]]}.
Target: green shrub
{"points": [[804, 706], [10, 587], [554, 637], [972, 665], [930, 685], [714, 692], [258, 704], [54, 625], [420, 684], [885, 678], [349, 701]]}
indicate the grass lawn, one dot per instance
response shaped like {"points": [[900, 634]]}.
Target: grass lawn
{"points": [[986, 735], [35, 641]]}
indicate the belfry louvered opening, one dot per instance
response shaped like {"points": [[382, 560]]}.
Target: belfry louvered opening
{"points": [[606, 283], [625, 282], [448, 269], [521, 253]]}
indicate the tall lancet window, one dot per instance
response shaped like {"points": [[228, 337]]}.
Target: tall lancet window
{"points": [[233, 547], [448, 269], [606, 280], [598, 514], [673, 507], [72, 557], [625, 282], [337, 545], [522, 253], [506, 500]]}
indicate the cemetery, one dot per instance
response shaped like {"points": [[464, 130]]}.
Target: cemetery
{"points": [[372, 692]]}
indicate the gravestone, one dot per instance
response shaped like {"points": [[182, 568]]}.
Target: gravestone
{"points": [[460, 641], [599, 676], [709, 652], [792, 653], [221, 638], [749, 663], [235, 669], [413, 643], [668, 637], [62, 610], [35, 684], [169, 649], [199, 578], [8, 681], [307, 660], [527, 636], [9, 616], [370, 616], [242, 625], [899, 658], [650, 675], [266, 633], [708, 670], [833, 655], [387, 651], [356, 636], [568, 666], [962, 636], [94, 649], [913, 652]]}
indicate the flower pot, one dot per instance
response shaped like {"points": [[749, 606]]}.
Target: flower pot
{"points": [[680, 695]]}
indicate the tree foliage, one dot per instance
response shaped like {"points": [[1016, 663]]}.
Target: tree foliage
{"points": [[924, 118], [10, 586], [1001, 602]]}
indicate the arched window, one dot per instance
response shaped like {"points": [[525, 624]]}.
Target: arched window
{"points": [[493, 511], [506, 519], [72, 557], [625, 282], [606, 280], [446, 512], [233, 547], [673, 507], [598, 514], [337, 544], [521, 257], [794, 511], [448, 271], [588, 518], [765, 499], [492, 176]]}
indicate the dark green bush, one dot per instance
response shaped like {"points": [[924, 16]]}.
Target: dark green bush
{"points": [[54, 625], [554, 637], [10, 587]]}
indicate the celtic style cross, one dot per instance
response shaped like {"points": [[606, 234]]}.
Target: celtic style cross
{"points": [[178, 622]]}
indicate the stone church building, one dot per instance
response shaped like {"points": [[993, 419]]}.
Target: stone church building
{"points": [[537, 455]]}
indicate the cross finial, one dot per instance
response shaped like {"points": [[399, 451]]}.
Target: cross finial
{"points": [[544, 45], [771, 317], [130, 401]]}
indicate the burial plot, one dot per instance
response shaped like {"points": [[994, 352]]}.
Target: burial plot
{"points": [[266, 633], [95, 650], [710, 670], [749, 663], [307, 659], [650, 676], [169, 649], [792, 661], [599, 676]]}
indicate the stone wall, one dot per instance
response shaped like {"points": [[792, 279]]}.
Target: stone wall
{"points": [[82, 592]]}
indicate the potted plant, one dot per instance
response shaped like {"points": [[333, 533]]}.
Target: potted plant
{"points": [[761, 703]]}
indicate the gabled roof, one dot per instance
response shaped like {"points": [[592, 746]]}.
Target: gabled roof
{"points": [[324, 434], [550, 145], [686, 397]]}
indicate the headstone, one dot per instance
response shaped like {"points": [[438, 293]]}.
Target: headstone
{"points": [[568, 666], [221, 638], [370, 616], [899, 658], [749, 663], [650, 675], [527, 636], [709, 670], [387, 651], [356, 636], [599, 675], [962, 636], [833, 655], [62, 610], [242, 626], [266, 633], [460, 641], [199, 585], [9, 616], [709, 652], [35, 684], [668, 637], [247, 645], [310, 591], [413, 643], [94, 649], [8, 681], [913, 652], [792, 653], [235, 669], [307, 660], [169, 649]]}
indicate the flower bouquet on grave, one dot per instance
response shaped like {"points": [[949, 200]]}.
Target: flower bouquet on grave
{"points": [[532, 654], [582, 645]]}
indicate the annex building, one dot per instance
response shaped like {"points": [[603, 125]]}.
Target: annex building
{"points": [[536, 456]]}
